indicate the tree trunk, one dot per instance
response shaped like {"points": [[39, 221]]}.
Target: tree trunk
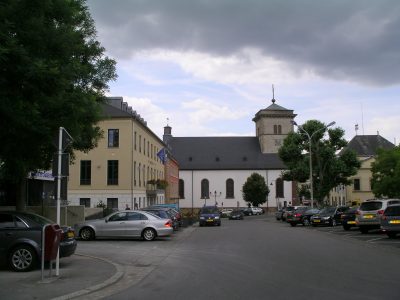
{"points": [[20, 201]]}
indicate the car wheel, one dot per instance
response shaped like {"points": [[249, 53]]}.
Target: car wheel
{"points": [[391, 235], [219, 224], [293, 224], [363, 230], [314, 225], [87, 234], [346, 227], [22, 258], [149, 234]]}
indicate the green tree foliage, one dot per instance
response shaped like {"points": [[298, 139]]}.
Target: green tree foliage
{"points": [[329, 168], [53, 72], [386, 173], [255, 190]]}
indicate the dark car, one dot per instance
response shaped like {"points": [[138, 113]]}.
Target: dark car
{"points": [[247, 211], [306, 218], [209, 215], [278, 214], [21, 239], [348, 218], [390, 221], [330, 216], [286, 210], [297, 216], [236, 214], [164, 213]]}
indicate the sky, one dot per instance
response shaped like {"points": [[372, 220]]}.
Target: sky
{"points": [[206, 67]]}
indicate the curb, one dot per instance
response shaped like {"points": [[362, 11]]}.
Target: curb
{"points": [[113, 279]]}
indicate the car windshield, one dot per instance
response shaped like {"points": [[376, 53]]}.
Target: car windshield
{"points": [[371, 205], [328, 210], [209, 210], [38, 219]]}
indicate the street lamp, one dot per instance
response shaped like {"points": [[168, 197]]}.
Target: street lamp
{"points": [[310, 149], [215, 196]]}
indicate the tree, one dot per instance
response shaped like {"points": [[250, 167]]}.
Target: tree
{"points": [[329, 168], [386, 173], [53, 73], [255, 190]]}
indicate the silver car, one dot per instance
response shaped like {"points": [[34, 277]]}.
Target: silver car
{"points": [[390, 220], [125, 224], [369, 214]]}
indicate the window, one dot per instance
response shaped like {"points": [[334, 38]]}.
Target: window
{"points": [[356, 184], [112, 203], [181, 189], [86, 172], [279, 188], [84, 201], [121, 216], [139, 169], [6, 221], [205, 191], [277, 129], [144, 146], [135, 136], [113, 138], [148, 149], [112, 172], [140, 143], [229, 188], [134, 173]]}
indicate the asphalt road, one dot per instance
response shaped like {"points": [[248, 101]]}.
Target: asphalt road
{"points": [[257, 258]]}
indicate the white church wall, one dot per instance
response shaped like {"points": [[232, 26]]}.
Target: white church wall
{"points": [[217, 183]]}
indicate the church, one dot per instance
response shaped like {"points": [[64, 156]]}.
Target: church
{"points": [[212, 170]]}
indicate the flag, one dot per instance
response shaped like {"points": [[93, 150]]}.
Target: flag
{"points": [[162, 155]]}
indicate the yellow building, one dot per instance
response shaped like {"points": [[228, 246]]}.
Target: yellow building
{"points": [[366, 147], [117, 171]]}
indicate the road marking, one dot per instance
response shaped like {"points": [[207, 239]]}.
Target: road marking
{"points": [[376, 239]]}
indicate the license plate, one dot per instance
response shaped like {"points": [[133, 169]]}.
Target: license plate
{"points": [[394, 222], [351, 222], [210, 220], [70, 234], [368, 216], [316, 221]]}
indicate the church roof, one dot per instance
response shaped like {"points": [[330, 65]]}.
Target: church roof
{"points": [[367, 145], [222, 153]]}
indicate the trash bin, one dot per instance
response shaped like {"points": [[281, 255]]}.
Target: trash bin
{"points": [[52, 240]]}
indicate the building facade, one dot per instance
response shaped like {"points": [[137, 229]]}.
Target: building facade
{"points": [[116, 173], [212, 170], [359, 190]]}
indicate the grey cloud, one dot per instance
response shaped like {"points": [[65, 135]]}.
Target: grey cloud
{"points": [[357, 40]]}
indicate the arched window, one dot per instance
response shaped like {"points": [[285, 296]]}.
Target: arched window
{"points": [[279, 188], [181, 189], [230, 188], [205, 190]]}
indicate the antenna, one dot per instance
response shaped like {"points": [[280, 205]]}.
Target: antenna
{"points": [[273, 94], [356, 128], [362, 118]]}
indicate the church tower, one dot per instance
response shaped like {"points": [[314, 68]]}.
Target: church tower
{"points": [[272, 126]]}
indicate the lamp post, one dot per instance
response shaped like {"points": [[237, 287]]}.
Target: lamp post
{"points": [[310, 149], [215, 194]]}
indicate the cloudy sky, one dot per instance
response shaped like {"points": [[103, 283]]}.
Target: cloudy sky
{"points": [[209, 65]]}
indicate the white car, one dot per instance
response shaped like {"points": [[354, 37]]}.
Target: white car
{"points": [[125, 224], [226, 212], [256, 210]]}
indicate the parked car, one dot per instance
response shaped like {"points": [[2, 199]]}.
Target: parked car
{"points": [[348, 218], [290, 212], [257, 210], [172, 208], [390, 220], [21, 239], [297, 215], [308, 214], [236, 214], [126, 224], [226, 212], [370, 211], [278, 214], [330, 215], [286, 210], [163, 213], [247, 211], [209, 215]]}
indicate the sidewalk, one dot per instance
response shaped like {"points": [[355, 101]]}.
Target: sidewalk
{"points": [[79, 275]]}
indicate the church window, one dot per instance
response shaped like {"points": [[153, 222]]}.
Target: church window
{"points": [[230, 188], [279, 188], [205, 189]]}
